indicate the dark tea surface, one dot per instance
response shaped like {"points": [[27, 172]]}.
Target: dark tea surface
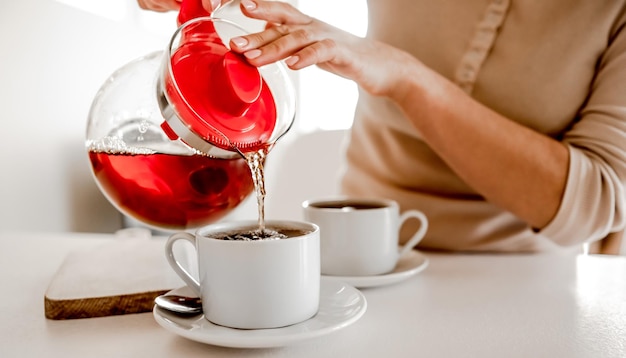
{"points": [[172, 191], [255, 234], [348, 205]]}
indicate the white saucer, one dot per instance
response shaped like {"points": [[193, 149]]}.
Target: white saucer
{"points": [[340, 306], [409, 265]]}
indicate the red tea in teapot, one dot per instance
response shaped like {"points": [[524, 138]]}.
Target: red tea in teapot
{"points": [[172, 191]]}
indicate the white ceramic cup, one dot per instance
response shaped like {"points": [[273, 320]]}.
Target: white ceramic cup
{"points": [[360, 237], [254, 284]]}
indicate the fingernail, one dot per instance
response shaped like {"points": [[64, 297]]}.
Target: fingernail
{"points": [[248, 4], [292, 60], [239, 41], [252, 53], [216, 4]]}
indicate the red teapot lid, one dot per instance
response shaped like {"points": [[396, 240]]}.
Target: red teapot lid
{"points": [[191, 9], [216, 93]]}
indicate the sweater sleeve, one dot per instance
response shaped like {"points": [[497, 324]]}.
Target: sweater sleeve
{"points": [[594, 201]]}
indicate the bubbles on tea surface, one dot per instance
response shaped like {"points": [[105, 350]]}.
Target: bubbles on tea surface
{"points": [[138, 137], [252, 235], [115, 145]]}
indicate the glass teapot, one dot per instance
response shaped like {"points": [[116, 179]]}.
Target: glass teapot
{"points": [[168, 133]]}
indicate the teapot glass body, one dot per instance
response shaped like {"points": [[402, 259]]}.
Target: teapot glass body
{"points": [[167, 150]]}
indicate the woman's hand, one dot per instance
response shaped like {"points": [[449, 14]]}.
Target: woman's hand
{"points": [[168, 5], [303, 41], [512, 166]]}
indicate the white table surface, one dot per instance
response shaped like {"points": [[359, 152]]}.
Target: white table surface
{"points": [[460, 306]]}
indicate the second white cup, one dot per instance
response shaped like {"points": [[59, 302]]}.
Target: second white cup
{"points": [[360, 237]]}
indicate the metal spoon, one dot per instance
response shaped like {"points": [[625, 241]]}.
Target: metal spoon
{"points": [[179, 304]]}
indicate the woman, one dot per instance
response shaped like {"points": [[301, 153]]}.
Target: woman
{"points": [[504, 121]]}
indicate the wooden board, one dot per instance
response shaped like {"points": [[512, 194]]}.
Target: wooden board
{"points": [[120, 277]]}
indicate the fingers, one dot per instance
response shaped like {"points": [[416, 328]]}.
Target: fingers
{"points": [[274, 44], [317, 53], [276, 12], [159, 5], [288, 32]]}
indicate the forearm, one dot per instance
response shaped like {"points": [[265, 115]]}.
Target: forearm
{"points": [[512, 166]]}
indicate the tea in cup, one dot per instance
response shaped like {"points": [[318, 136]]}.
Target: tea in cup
{"points": [[359, 236], [251, 282]]}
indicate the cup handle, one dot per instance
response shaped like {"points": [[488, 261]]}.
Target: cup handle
{"points": [[178, 268], [418, 236]]}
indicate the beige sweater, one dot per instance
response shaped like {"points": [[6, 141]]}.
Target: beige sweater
{"points": [[556, 66]]}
